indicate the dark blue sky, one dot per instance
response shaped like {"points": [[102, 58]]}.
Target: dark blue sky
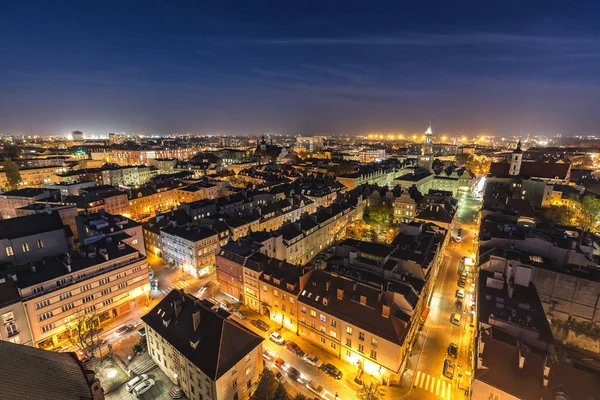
{"points": [[299, 67]]}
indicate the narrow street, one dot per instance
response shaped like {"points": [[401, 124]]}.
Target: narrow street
{"points": [[426, 366]]}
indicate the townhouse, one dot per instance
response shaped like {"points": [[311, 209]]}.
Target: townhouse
{"points": [[202, 350], [191, 248]]}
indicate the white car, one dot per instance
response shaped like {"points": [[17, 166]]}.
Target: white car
{"points": [[315, 388], [268, 355], [239, 314], [143, 387], [313, 360], [277, 338], [135, 381]]}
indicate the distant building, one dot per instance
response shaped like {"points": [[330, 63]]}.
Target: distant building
{"points": [[117, 138], [93, 227], [369, 154], [67, 213], [30, 373], [12, 200], [202, 350], [191, 248], [310, 144], [405, 208], [77, 136]]}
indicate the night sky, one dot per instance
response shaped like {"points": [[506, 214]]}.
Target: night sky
{"points": [[499, 67]]}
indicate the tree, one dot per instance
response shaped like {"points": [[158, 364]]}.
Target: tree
{"points": [[11, 170], [300, 396], [266, 386], [415, 194], [589, 212], [85, 332], [281, 393], [373, 391], [561, 215]]}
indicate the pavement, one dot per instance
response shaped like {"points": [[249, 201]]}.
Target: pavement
{"points": [[160, 390]]}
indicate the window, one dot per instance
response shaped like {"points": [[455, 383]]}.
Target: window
{"points": [[332, 334], [333, 323], [9, 251], [283, 296], [47, 328], [276, 303], [313, 313], [323, 340], [38, 289], [373, 342], [361, 336], [264, 288], [283, 307], [291, 311], [249, 383], [234, 383], [248, 371], [323, 318], [373, 354], [40, 244], [107, 302], [361, 348], [348, 342], [41, 304], [275, 293], [11, 329], [64, 296], [247, 358], [122, 285], [349, 330], [333, 345], [68, 307], [233, 371], [291, 300], [303, 310], [25, 247]]}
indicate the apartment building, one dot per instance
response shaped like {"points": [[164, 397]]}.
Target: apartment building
{"points": [[358, 323], [14, 324], [202, 350], [368, 155], [152, 228], [93, 227], [419, 177], [145, 202], [31, 177], [107, 198], [191, 248], [12, 200], [280, 285], [405, 208], [71, 188], [130, 176], [197, 191], [108, 278], [381, 174], [31, 238], [136, 157]]}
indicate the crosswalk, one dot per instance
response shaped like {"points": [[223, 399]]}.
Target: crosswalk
{"points": [[164, 290], [437, 386], [143, 364]]}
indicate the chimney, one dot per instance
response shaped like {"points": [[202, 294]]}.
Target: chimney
{"points": [[177, 307], [196, 318], [194, 341], [363, 300], [14, 277], [340, 294], [385, 311], [522, 354], [327, 285], [33, 269], [546, 371]]}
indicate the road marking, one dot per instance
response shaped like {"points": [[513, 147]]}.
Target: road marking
{"points": [[437, 390], [427, 383], [449, 392]]}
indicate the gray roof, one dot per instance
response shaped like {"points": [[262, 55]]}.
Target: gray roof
{"points": [[223, 342], [29, 225], [30, 373]]}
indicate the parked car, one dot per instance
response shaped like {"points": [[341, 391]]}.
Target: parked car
{"points": [[262, 325], [461, 283], [313, 360], [448, 369], [453, 350], [294, 374], [239, 314], [459, 235], [278, 375], [458, 303], [455, 319], [143, 387], [333, 371], [277, 338], [293, 347], [123, 329], [204, 288], [460, 293], [135, 381], [267, 355], [315, 388], [225, 305], [279, 363]]}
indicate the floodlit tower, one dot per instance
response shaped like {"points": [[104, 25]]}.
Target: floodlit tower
{"points": [[428, 145], [515, 160]]}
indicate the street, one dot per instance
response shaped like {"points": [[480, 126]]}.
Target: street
{"points": [[425, 368]]}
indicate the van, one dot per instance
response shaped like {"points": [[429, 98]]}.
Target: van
{"points": [[455, 319], [135, 381]]}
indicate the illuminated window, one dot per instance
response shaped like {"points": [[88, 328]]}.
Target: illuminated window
{"points": [[40, 244], [9, 251], [25, 247]]}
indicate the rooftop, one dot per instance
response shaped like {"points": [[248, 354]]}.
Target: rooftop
{"points": [[221, 342], [29, 225], [32, 373]]}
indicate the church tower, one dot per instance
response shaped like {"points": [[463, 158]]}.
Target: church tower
{"points": [[427, 149], [515, 160]]}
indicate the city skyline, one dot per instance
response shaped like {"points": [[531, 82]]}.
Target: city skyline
{"points": [[504, 69]]}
